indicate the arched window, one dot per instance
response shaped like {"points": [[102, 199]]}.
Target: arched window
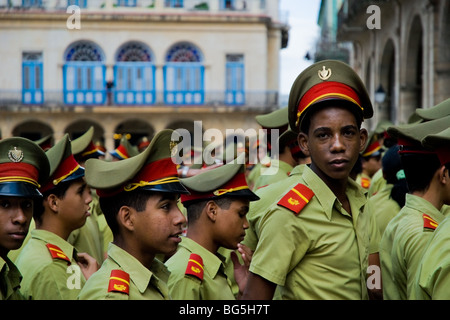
{"points": [[184, 75], [84, 74], [134, 75]]}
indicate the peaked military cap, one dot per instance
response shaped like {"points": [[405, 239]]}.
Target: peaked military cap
{"points": [[46, 142], [413, 133], [438, 111], [327, 80], [63, 166], [274, 119], [440, 143], [410, 136], [153, 169], [125, 149], [373, 147], [224, 181], [84, 148], [24, 167]]}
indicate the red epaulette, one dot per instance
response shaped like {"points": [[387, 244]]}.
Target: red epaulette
{"points": [[195, 266], [365, 183], [297, 198], [428, 222], [119, 281], [57, 253]]}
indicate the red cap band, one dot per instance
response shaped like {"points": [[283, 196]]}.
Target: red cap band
{"points": [[374, 147], [324, 91], [68, 166], [155, 173], [19, 172], [237, 183]]}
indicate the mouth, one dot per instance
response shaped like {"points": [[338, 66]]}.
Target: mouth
{"points": [[176, 237], [19, 235], [339, 163]]}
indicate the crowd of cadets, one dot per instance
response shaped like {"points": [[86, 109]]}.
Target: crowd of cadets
{"points": [[331, 212]]}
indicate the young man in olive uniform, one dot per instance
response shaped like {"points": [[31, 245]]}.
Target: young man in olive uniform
{"points": [[138, 197], [216, 209], [91, 237], [23, 168], [49, 264], [405, 238], [432, 281], [314, 239]]}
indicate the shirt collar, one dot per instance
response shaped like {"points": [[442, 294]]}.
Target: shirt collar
{"points": [[139, 274], [50, 237], [212, 263], [326, 197]]}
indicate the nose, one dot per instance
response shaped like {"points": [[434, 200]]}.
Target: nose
{"points": [[19, 216], [179, 218], [246, 225], [336, 144]]}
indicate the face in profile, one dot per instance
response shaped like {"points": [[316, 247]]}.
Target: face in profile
{"points": [[159, 226]]}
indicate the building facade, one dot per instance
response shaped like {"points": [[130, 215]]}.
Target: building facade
{"points": [[136, 66], [401, 48]]}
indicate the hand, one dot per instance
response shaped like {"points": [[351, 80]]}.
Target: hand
{"points": [[241, 270], [88, 264]]}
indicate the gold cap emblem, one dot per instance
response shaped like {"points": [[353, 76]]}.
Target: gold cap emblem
{"points": [[324, 74], [15, 155], [173, 148]]}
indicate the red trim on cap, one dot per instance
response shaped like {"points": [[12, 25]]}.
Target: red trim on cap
{"points": [[19, 172], [122, 151], [68, 166], [238, 182], [91, 148], [374, 147], [443, 153], [327, 90], [152, 172]]}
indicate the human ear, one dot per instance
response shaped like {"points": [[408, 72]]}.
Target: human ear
{"points": [[211, 210], [303, 143], [53, 203], [363, 136], [126, 217]]}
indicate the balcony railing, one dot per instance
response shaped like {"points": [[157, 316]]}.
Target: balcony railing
{"points": [[157, 6], [257, 100]]}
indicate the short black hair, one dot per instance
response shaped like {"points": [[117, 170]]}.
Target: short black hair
{"points": [[110, 206], [419, 169], [59, 191], [194, 209]]}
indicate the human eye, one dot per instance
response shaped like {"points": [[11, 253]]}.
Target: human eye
{"points": [[27, 204], [349, 131], [5, 204]]}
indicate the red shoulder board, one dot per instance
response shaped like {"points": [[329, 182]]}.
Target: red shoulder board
{"points": [[297, 198], [195, 266], [119, 281], [365, 183], [429, 222], [57, 253]]}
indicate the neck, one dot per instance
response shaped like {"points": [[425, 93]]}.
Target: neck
{"points": [[202, 238], [144, 257], [53, 226]]}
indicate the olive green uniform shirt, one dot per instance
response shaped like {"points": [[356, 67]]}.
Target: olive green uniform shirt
{"points": [[145, 284], [47, 278], [402, 246], [433, 278], [10, 278], [277, 171], [383, 207], [321, 253], [215, 284], [267, 195]]}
